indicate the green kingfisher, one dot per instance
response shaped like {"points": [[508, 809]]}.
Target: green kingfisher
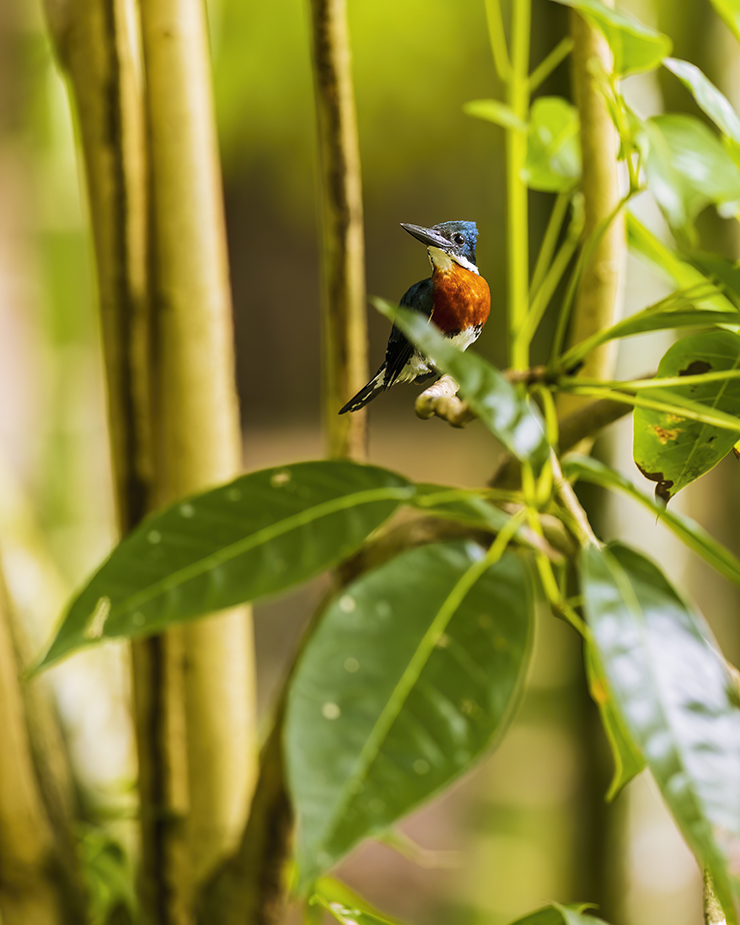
{"points": [[456, 298]]}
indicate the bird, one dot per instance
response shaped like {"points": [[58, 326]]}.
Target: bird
{"points": [[455, 297]]}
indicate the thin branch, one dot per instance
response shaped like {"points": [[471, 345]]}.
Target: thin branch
{"points": [[343, 245]]}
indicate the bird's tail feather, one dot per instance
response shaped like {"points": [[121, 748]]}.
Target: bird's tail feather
{"points": [[366, 394]]}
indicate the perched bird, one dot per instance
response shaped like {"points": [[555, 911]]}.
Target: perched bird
{"points": [[456, 298]]}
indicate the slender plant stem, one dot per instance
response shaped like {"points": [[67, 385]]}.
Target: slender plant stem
{"points": [[637, 385], [549, 241], [543, 70], [498, 40], [516, 188], [343, 246], [550, 283], [723, 421]]}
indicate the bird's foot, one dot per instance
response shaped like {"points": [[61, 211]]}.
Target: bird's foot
{"points": [[441, 399]]}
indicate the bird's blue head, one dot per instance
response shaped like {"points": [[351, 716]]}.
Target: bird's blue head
{"points": [[458, 239]]}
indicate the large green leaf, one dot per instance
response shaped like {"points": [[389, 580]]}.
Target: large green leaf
{"points": [[553, 162], [634, 45], [257, 535], [674, 451], [628, 762], [413, 672], [709, 99], [686, 168], [675, 695], [559, 915], [503, 410], [666, 262], [729, 10], [686, 529]]}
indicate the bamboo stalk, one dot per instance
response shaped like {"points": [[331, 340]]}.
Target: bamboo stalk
{"points": [[344, 329], [597, 297], [196, 685]]}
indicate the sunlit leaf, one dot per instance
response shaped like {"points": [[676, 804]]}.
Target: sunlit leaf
{"points": [[628, 762], [506, 413], [686, 168], [672, 450], [494, 111], [345, 905], [553, 162], [725, 273], [413, 672], [559, 915], [686, 529], [256, 536], [668, 264], [675, 694], [729, 10], [635, 46], [709, 99]]}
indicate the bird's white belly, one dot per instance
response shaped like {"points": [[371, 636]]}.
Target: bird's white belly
{"points": [[419, 365]]}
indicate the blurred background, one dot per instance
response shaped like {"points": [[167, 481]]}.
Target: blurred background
{"points": [[531, 824]]}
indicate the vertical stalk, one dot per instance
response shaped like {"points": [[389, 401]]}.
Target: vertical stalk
{"points": [[34, 883], [343, 246], [195, 697], [596, 300], [517, 96]]}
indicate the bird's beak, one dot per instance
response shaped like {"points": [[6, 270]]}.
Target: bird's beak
{"points": [[428, 236]]}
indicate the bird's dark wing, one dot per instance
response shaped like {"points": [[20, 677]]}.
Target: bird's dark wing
{"points": [[420, 297]]}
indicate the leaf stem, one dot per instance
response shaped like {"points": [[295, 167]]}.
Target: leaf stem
{"points": [[516, 188], [543, 70], [549, 241], [550, 283], [638, 385], [498, 40]]}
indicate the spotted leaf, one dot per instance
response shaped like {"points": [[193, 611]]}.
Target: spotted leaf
{"points": [[256, 536], [413, 672], [674, 451]]}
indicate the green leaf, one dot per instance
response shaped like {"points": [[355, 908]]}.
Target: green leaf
{"points": [[709, 99], [634, 45], [507, 414], [413, 672], [559, 915], [673, 690], [345, 905], [553, 161], [628, 762], [465, 506], [256, 536], [686, 529], [675, 311], [686, 168], [667, 263], [725, 273], [494, 111], [729, 10], [674, 451]]}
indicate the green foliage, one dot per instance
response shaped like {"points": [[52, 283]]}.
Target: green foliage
{"points": [[635, 46], [673, 690], [556, 914], [708, 97], [628, 761], [413, 671], [729, 10], [257, 535], [687, 530], [503, 410], [553, 162], [496, 112], [674, 451], [344, 904], [687, 168]]}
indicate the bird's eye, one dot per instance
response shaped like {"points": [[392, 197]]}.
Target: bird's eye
{"points": [[458, 238]]}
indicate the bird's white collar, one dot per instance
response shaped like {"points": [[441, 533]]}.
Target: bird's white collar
{"points": [[443, 261]]}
